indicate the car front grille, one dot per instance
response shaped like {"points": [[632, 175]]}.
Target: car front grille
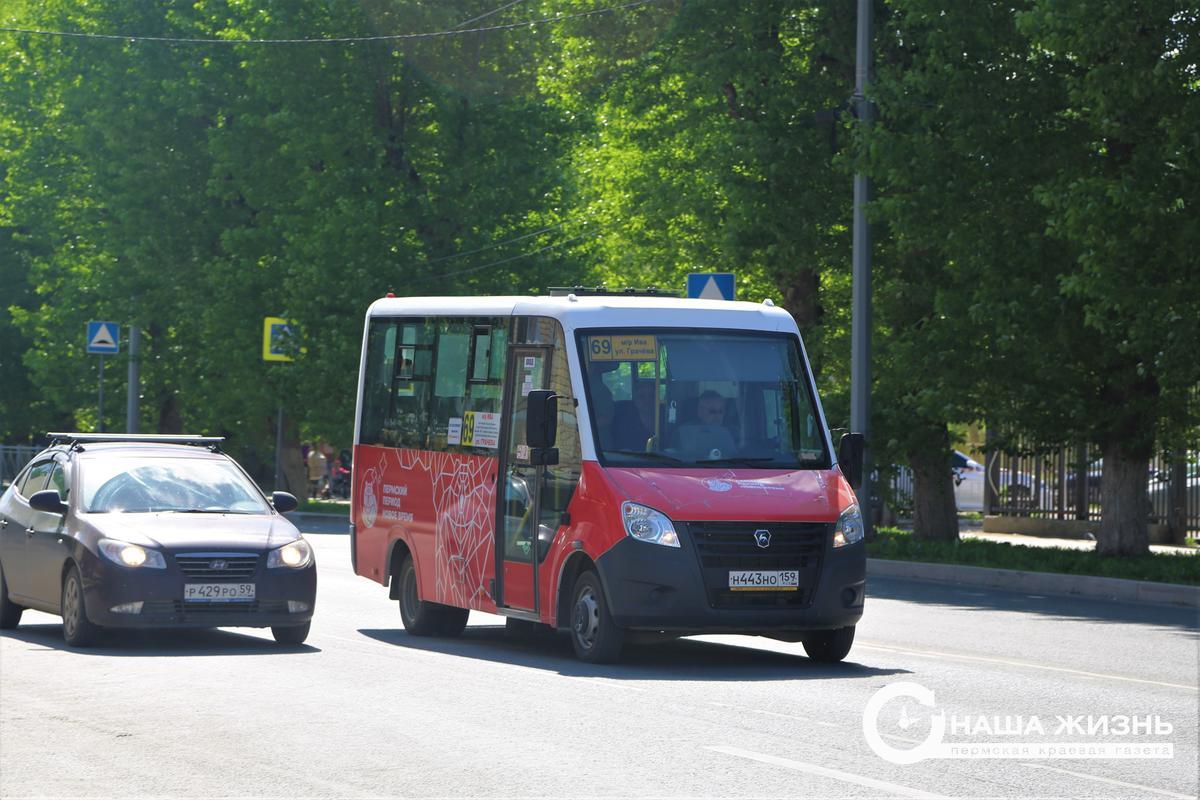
{"points": [[725, 546], [192, 611], [217, 566]]}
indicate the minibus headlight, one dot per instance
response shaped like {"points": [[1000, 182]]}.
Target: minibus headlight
{"points": [[128, 554], [849, 528], [648, 525], [295, 555]]}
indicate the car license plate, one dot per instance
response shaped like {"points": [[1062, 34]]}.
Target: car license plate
{"points": [[754, 580], [218, 592]]}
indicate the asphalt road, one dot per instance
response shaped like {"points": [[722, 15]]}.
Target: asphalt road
{"points": [[365, 710]]}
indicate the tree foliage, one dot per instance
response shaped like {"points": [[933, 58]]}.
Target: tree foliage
{"points": [[1035, 166]]}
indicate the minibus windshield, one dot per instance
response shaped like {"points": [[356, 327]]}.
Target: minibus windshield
{"points": [[701, 398]]}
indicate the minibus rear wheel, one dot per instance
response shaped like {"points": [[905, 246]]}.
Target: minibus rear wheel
{"points": [[829, 646], [422, 618], [596, 638]]}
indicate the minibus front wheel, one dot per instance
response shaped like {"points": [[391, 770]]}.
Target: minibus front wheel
{"points": [[829, 646], [596, 638]]}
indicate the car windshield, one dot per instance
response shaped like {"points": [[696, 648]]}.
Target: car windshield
{"points": [[186, 485], [686, 398]]}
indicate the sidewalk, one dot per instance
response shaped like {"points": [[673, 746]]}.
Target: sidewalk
{"points": [[1070, 544], [973, 529]]}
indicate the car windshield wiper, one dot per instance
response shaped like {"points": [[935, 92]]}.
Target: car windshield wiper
{"points": [[644, 454], [741, 460]]}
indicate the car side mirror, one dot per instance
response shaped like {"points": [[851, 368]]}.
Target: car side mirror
{"points": [[850, 458], [48, 500], [284, 502]]}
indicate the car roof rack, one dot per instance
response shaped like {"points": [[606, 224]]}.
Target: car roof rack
{"points": [[604, 291], [76, 439]]}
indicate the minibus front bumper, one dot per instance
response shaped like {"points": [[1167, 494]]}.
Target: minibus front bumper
{"points": [[686, 590]]}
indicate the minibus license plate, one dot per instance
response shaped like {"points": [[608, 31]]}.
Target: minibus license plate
{"points": [[754, 580], [218, 592]]}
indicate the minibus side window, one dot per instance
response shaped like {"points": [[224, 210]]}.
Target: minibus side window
{"points": [[468, 382], [377, 379]]}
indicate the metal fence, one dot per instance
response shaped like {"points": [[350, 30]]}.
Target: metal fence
{"points": [[1064, 484], [12, 458]]}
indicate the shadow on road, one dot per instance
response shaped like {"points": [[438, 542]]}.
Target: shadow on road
{"points": [[1184, 620], [158, 643], [675, 660]]}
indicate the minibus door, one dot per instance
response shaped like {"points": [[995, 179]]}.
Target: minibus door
{"points": [[520, 489]]}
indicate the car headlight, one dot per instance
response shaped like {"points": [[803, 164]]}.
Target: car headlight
{"points": [[293, 555], [648, 525], [128, 554], [849, 528]]}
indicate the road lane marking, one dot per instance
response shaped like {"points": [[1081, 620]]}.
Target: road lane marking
{"points": [[1112, 782], [826, 772], [1026, 664], [796, 717]]}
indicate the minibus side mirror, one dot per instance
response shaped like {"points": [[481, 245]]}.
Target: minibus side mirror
{"points": [[850, 458], [48, 500], [284, 502], [541, 426]]}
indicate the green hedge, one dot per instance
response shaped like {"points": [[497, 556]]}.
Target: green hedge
{"points": [[900, 545]]}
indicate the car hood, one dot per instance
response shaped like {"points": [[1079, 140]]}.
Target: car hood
{"points": [[175, 531], [741, 494]]}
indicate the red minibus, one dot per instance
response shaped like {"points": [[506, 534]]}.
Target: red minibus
{"points": [[605, 464]]}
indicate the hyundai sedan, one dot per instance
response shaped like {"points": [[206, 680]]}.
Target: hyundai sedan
{"points": [[126, 531]]}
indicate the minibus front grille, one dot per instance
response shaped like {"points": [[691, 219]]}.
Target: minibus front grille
{"points": [[725, 546]]}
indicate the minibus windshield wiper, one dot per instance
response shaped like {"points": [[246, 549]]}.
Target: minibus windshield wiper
{"points": [[644, 454], [741, 460]]}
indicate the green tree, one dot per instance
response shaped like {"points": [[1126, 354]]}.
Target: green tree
{"points": [[1126, 207]]}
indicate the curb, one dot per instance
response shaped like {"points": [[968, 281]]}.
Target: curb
{"points": [[1056, 583]]}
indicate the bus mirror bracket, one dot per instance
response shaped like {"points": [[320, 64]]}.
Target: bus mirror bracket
{"points": [[850, 458]]}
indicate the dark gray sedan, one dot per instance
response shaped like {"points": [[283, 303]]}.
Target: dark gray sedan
{"points": [[125, 531]]}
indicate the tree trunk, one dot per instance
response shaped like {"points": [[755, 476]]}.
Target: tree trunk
{"points": [[295, 473], [1125, 513], [169, 420], [802, 299], [935, 513], [1177, 493]]}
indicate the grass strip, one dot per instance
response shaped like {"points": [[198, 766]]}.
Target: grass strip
{"points": [[898, 545], [325, 507]]}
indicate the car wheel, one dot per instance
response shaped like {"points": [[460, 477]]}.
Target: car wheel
{"points": [[829, 647], [10, 612], [594, 635], [422, 618], [78, 630], [290, 634]]}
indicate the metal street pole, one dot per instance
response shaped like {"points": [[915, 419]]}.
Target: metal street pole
{"points": [[279, 449], [135, 381], [100, 402], [860, 325]]}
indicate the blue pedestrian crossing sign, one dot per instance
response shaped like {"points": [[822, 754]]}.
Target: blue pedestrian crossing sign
{"points": [[710, 285], [277, 339], [103, 338]]}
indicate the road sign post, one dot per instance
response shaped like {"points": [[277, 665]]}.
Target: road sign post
{"points": [[277, 335], [102, 339]]}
